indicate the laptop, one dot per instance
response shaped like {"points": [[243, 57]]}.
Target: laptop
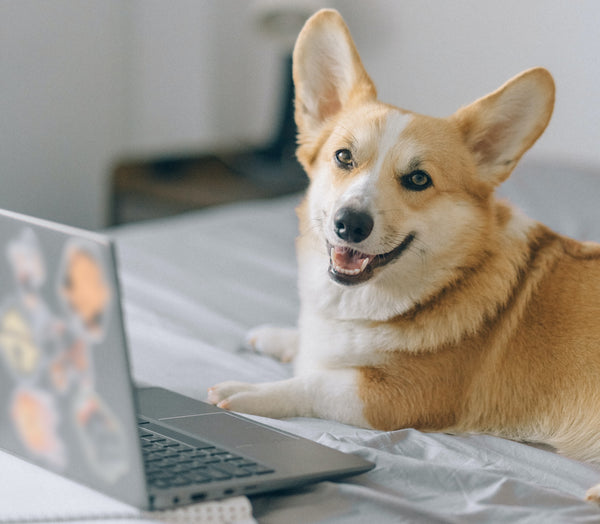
{"points": [[69, 403]]}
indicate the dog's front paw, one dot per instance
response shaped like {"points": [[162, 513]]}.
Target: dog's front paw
{"points": [[226, 394], [593, 494], [277, 342], [269, 399], [244, 398]]}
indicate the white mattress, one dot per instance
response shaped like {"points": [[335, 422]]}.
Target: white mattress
{"points": [[194, 284]]}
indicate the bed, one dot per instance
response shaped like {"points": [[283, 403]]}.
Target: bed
{"points": [[194, 284]]}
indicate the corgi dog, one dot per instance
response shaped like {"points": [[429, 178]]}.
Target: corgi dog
{"points": [[425, 301]]}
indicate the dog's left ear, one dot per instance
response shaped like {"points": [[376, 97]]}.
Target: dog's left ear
{"points": [[328, 73], [500, 127]]}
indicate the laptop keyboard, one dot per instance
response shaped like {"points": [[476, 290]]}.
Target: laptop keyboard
{"points": [[171, 463]]}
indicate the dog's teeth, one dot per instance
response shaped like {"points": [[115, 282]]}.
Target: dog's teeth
{"points": [[356, 271], [343, 271], [347, 271]]}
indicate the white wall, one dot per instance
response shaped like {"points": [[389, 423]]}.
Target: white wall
{"points": [[202, 75], [62, 105], [82, 83], [433, 56]]}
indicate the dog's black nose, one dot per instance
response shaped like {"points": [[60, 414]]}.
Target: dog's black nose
{"points": [[352, 225]]}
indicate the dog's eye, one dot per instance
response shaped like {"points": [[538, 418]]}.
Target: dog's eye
{"points": [[416, 181], [343, 158]]}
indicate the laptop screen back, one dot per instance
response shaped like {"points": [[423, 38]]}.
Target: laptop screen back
{"points": [[65, 393]]}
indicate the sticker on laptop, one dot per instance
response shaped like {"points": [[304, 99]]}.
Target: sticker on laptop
{"points": [[17, 344], [83, 289], [36, 420], [101, 435]]}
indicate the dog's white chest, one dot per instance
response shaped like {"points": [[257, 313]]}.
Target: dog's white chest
{"points": [[327, 343]]}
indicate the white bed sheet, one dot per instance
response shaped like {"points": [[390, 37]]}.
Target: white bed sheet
{"points": [[194, 284]]}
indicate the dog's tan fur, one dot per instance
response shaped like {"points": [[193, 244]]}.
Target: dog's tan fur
{"points": [[488, 322]]}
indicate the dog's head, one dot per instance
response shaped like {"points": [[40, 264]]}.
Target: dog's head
{"points": [[395, 195]]}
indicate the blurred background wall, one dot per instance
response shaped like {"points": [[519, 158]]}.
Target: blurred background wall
{"points": [[84, 83]]}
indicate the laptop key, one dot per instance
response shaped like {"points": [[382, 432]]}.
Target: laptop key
{"points": [[219, 452], [242, 462], [199, 477], [180, 468], [151, 459], [216, 474], [204, 451], [181, 481], [169, 462], [206, 460], [183, 460]]}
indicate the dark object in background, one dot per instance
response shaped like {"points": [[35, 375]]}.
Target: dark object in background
{"points": [[151, 188]]}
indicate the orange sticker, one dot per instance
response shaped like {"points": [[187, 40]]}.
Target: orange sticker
{"points": [[84, 289], [35, 419]]}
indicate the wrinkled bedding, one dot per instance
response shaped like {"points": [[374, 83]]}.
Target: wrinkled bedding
{"points": [[194, 284]]}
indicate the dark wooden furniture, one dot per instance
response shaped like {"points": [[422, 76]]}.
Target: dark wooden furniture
{"points": [[144, 189]]}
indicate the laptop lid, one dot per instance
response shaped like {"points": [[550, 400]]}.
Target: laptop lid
{"points": [[66, 399]]}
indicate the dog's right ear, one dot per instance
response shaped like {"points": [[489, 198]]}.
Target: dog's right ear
{"points": [[328, 73]]}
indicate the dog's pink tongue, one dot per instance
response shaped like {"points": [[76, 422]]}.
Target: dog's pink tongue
{"points": [[348, 259]]}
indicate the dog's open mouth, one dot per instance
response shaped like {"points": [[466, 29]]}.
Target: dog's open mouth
{"points": [[348, 266]]}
